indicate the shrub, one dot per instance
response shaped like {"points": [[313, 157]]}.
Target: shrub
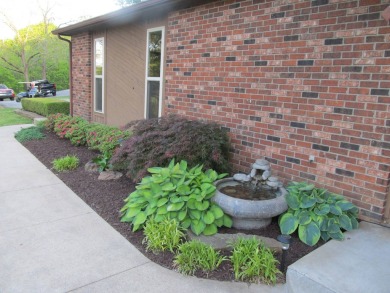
{"points": [[66, 163], [30, 133], [317, 213], [166, 235], [103, 161], [99, 137], [253, 262], [105, 138], [46, 106], [51, 119], [195, 255], [177, 193], [155, 142]]}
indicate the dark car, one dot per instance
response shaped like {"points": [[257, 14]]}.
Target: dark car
{"points": [[6, 93]]}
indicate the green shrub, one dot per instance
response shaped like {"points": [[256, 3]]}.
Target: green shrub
{"points": [[177, 193], [51, 119], [66, 163], [99, 137], [317, 213], [166, 235], [30, 133], [105, 138], [195, 255], [45, 106], [252, 261], [155, 142]]}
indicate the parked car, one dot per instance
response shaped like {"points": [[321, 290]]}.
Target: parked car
{"points": [[38, 88], [6, 93]]}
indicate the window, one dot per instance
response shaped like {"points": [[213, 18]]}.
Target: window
{"points": [[154, 72], [99, 73]]}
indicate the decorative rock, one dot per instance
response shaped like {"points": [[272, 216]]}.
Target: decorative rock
{"points": [[241, 177], [272, 179], [253, 173], [110, 175], [262, 162], [273, 183], [266, 174], [91, 167], [260, 167], [221, 241]]}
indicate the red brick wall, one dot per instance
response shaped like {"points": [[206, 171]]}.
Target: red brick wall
{"points": [[81, 75], [290, 79]]}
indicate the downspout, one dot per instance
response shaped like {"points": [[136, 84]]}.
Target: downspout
{"points": [[70, 72]]}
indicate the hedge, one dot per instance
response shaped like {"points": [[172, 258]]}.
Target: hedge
{"points": [[45, 106]]}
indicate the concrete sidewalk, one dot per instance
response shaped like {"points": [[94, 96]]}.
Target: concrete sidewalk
{"points": [[51, 241]]}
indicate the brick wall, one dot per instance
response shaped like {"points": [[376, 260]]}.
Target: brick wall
{"points": [[290, 79], [81, 75]]}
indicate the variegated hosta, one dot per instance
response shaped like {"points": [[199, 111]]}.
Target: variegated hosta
{"points": [[177, 193], [317, 213]]}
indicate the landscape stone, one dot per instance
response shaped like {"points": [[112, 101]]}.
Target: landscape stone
{"points": [[241, 177], [222, 241], [260, 167], [253, 173], [273, 178], [266, 175], [91, 167], [110, 175]]}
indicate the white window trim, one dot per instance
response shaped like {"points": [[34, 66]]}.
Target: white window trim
{"points": [[101, 76], [160, 79]]}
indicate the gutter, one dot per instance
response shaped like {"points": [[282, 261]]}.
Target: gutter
{"points": [[70, 72]]}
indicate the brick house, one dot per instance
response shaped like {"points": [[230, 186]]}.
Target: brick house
{"points": [[287, 79]]}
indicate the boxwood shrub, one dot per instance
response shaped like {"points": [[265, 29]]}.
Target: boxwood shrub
{"points": [[155, 142], [45, 106]]}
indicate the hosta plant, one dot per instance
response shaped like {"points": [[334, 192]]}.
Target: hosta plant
{"points": [[317, 213], [179, 193]]}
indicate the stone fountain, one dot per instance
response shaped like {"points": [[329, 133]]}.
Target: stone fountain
{"points": [[238, 197]]}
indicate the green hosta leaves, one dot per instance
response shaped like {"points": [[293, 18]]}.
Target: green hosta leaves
{"points": [[317, 213], [288, 223], [309, 234], [176, 192], [208, 218], [293, 201], [197, 226]]}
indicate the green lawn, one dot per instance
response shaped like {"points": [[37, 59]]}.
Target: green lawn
{"points": [[9, 117]]}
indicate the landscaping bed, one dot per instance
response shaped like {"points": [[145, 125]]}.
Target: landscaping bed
{"points": [[106, 198]]}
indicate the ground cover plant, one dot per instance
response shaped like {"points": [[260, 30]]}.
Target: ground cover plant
{"points": [[9, 117], [66, 163], [29, 133], [177, 192], [155, 142], [162, 236], [253, 261], [195, 255], [317, 213]]}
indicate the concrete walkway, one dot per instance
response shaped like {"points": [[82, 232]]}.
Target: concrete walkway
{"points": [[51, 241]]}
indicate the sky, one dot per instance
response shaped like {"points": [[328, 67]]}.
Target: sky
{"points": [[27, 12]]}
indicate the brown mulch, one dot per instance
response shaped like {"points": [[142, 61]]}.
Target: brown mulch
{"points": [[106, 198]]}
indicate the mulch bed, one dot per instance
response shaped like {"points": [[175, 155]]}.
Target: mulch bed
{"points": [[106, 198]]}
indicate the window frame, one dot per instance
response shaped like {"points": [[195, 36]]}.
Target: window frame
{"points": [[159, 79], [98, 76]]}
